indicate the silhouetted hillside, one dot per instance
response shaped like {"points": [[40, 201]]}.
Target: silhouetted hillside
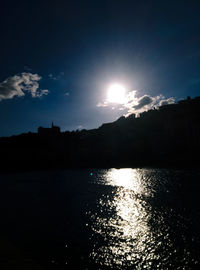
{"points": [[167, 136]]}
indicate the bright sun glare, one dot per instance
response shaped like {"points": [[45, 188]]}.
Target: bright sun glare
{"points": [[116, 93]]}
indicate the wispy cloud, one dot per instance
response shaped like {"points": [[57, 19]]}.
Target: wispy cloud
{"points": [[134, 104], [103, 104], [56, 77], [19, 85]]}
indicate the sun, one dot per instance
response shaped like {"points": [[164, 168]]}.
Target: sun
{"points": [[116, 93]]}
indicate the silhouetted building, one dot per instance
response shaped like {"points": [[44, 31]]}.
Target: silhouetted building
{"points": [[54, 130]]}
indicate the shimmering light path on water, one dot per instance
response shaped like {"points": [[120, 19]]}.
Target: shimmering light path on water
{"points": [[131, 231]]}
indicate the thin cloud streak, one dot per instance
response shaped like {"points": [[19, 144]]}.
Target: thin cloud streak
{"points": [[56, 77]]}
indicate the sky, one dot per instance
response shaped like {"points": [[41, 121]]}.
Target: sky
{"points": [[59, 58]]}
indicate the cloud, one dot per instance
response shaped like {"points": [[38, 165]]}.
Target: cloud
{"points": [[102, 104], [139, 104], [143, 101], [52, 77], [18, 85], [135, 104], [56, 77], [146, 102], [80, 127], [167, 101]]}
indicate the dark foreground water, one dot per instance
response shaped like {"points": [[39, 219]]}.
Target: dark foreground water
{"points": [[100, 219]]}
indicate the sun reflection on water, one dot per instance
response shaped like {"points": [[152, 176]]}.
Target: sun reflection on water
{"points": [[126, 178], [122, 228]]}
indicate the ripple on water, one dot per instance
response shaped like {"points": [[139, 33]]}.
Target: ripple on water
{"points": [[128, 230]]}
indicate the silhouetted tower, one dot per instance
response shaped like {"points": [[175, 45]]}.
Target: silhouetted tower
{"points": [[53, 130]]}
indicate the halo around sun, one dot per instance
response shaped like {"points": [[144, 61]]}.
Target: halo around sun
{"points": [[116, 93]]}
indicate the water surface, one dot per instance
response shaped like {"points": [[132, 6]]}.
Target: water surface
{"points": [[101, 219]]}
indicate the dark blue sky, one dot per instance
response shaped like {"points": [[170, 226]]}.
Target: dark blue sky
{"points": [[77, 48]]}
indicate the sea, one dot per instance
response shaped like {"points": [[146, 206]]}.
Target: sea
{"points": [[143, 218]]}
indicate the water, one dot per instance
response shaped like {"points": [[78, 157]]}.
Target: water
{"points": [[100, 219]]}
